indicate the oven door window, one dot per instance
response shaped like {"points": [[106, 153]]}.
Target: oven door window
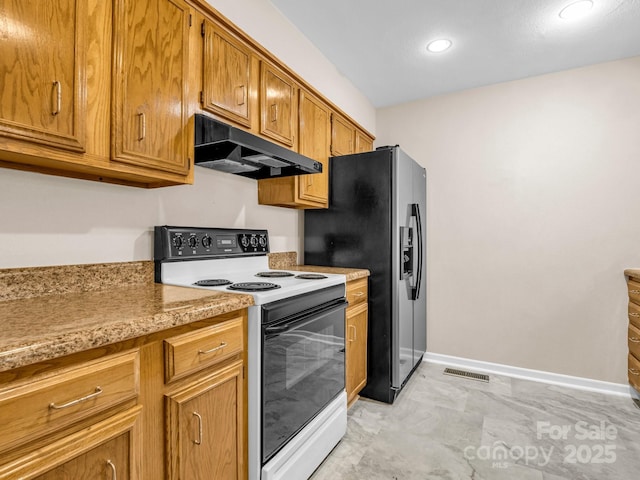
{"points": [[302, 371]]}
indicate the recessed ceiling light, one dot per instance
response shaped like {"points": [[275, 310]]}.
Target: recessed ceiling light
{"points": [[439, 45], [576, 9]]}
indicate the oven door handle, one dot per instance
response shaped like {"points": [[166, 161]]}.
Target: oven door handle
{"points": [[302, 320]]}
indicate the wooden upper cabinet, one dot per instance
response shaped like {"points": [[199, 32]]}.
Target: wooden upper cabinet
{"points": [[278, 118], [149, 123], [42, 72], [226, 84], [364, 143], [342, 136], [314, 142]]}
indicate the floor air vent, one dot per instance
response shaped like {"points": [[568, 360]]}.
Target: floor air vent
{"points": [[481, 377]]}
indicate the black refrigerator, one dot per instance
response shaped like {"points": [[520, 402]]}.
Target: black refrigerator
{"points": [[376, 220]]}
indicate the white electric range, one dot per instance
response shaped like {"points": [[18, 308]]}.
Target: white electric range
{"points": [[297, 403]]}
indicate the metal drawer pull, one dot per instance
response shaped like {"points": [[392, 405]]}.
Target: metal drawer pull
{"points": [[634, 339], [142, 126], [635, 292], [219, 347], [634, 314], [57, 106], [352, 328], [633, 371], [198, 441], [114, 473], [358, 294], [98, 391]]}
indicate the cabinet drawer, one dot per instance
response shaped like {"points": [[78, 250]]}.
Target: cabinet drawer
{"points": [[188, 353], [634, 372], [51, 403], [357, 291], [634, 314], [634, 291], [634, 341]]}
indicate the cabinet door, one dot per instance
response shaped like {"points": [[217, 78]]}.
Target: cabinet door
{"points": [[151, 39], [342, 136], [227, 75], [314, 142], [363, 142], [42, 72], [206, 428], [356, 350], [109, 449], [277, 105]]}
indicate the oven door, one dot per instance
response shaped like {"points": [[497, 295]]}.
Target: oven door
{"points": [[302, 371]]}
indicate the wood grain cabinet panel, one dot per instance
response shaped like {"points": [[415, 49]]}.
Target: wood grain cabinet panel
{"points": [[314, 139], [107, 450], [205, 423], [342, 136], [364, 143], [278, 117], [150, 116], [42, 72], [357, 327], [47, 404], [226, 75], [194, 351]]}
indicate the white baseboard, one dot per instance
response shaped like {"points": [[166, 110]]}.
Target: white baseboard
{"points": [[533, 375]]}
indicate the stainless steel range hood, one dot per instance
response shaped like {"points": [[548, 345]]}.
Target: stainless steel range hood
{"points": [[229, 149]]}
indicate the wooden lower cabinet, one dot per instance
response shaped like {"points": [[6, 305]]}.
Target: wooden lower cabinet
{"points": [[633, 336], [205, 427], [171, 405], [357, 321]]}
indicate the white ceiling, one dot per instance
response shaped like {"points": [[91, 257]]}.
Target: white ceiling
{"points": [[380, 44]]}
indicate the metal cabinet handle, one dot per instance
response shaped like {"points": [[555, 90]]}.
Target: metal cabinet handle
{"points": [[142, 126], [57, 98], [635, 292], [634, 339], [241, 96], [634, 314], [352, 328], [219, 347], [358, 294], [198, 441], [114, 473], [97, 392], [274, 112], [633, 371]]}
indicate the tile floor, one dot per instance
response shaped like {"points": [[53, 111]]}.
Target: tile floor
{"points": [[444, 427]]}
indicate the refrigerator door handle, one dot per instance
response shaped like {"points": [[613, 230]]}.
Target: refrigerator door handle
{"points": [[415, 211]]}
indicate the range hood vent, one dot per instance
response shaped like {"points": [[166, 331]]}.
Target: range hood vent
{"points": [[229, 149]]}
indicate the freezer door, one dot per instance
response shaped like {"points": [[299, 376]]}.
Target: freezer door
{"points": [[402, 356], [420, 294]]}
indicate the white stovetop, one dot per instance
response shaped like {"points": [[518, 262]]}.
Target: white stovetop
{"points": [[244, 269]]}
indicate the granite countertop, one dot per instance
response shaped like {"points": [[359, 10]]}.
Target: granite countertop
{"points": [[86, 307], [289, 261]]}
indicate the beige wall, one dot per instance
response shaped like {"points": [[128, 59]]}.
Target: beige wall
{"points": [[46, 220], [533, 213]]}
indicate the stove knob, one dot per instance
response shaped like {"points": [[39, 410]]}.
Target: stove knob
{"points": [[206, 241], [263, 241], [193, 242], [178, 242], [254, 242], [244, 241]]}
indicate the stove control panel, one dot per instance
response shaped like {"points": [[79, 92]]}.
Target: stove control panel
{"points": [[183, 243]]}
